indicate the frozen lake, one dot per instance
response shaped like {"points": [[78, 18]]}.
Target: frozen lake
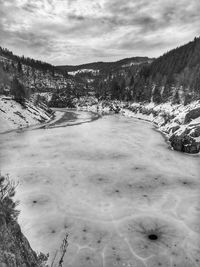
{"points": [[113, 185]]}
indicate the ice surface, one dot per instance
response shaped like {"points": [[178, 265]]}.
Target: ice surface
{"points": [[110, 184]]}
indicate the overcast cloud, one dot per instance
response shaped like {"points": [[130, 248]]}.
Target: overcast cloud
{"points": [[80, 31]]}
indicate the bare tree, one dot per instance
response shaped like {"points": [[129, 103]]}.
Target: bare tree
{"points": [[63, 250]]}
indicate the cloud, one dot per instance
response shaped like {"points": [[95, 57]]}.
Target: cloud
{"points": [[78, 31]]}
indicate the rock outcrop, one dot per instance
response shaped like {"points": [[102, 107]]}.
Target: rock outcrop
{"points": [[191, 115], [15, 250], [184, 143], [186, 139]]}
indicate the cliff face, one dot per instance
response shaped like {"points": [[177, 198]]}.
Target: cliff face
{"points": [[15, 250]]}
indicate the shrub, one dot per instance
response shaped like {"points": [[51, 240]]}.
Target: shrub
{"points": [[42, 259], [7, 204], [18, 90]]}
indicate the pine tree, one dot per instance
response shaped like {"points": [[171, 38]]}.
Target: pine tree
{"points": [[19, 67], [176, 98], [18, 90], [157, 98]]}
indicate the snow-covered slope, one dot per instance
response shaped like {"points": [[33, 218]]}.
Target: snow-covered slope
{"points": [[94, 72], [13, 115]]}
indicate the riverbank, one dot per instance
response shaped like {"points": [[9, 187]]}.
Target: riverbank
{"points": [[71, 117], [14, 115], [179, 123]]}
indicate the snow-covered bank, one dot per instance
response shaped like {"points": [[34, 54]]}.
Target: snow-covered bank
{"points": [[181, 124], [13, 115]]}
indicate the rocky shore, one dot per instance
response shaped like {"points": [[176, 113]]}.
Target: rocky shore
{"points": [[180, 124]]}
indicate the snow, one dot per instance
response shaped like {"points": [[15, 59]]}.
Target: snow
{"points": [[195, 121], [13, 115], [131, 64], [197, 139], [35, 78], [46, 95], [4, 59], [95, 72]]}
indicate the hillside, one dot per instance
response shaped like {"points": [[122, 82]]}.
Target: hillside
{"points": [[36, 76], [31, 77], [14, 115], [126, 62], [165, 92], [174, 76], [98, 76]]}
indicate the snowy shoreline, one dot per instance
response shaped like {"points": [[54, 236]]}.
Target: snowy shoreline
{"points": [[15, 116], [180, 124]]}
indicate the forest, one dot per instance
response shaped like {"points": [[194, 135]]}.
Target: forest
{"points": [[174, 76]]}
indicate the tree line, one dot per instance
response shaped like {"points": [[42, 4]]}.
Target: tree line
{"points": [[36, 64]]}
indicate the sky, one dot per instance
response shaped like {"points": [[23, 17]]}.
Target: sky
{"points": [[64, 32]]}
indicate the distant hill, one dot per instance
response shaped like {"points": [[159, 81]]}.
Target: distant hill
{"points": [[29, 79], [170, 76], [35, 75], [7, 54], [174, 76], [126, 62]]}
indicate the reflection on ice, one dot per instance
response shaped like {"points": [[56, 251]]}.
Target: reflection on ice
{"points": [[113, 185]]}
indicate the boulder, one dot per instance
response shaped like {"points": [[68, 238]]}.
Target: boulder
{"points": [[195, 132], [184, 143], [191, 115]]}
